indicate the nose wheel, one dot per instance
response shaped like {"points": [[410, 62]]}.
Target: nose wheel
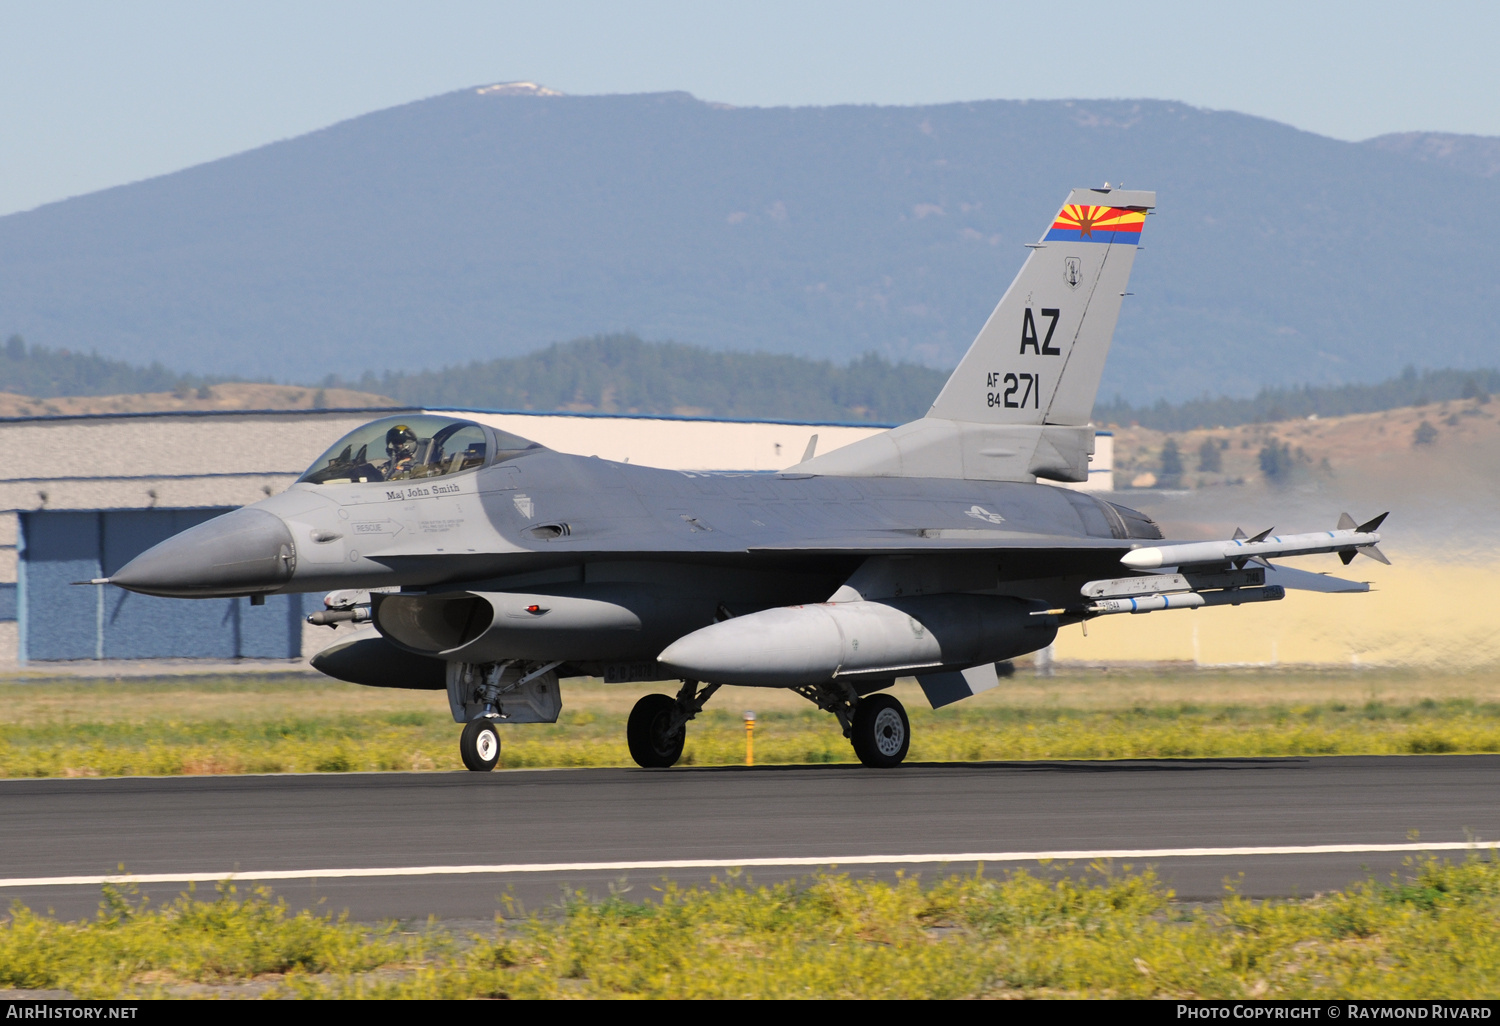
{"points": [[881, 733], [480, 745]]}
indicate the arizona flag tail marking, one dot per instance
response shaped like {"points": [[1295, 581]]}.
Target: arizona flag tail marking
{"points": [[1081, 223]]}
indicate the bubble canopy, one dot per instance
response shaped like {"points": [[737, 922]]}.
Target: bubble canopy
{"points": [[410, 447]]}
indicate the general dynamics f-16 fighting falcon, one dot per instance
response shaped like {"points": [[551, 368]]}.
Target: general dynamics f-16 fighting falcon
{"points": [[493, 568]]}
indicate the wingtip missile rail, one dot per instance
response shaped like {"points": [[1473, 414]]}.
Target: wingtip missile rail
{"points": [[1239, 551]]}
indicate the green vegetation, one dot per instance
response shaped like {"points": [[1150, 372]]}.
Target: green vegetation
{"points": [[1171, 465], [623, 374], [44, 373], [1211, 455], [1276, 460], [297, 724], [1434, 931], [1411, 388], [605, 374]]}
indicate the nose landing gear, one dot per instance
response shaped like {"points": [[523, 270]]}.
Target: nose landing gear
{"points": [[482, 696], [479, 745]]}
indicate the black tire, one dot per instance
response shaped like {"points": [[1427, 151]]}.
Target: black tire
{"points": [[652, 746], [480, 745], [881, 733]]}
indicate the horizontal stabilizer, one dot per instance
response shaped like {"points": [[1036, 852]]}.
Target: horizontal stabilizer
{"points": [[1305, 580]]}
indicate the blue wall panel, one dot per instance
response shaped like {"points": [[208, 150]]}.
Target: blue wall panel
{"points": [[61, 620], [147, 627], [69, 622], [271, 631], [7, 602]]}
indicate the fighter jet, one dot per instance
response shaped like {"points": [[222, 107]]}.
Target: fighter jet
{"points": [[493, 568]]}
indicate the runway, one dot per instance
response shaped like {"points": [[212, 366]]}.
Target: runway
{"points": [[410, 845]]}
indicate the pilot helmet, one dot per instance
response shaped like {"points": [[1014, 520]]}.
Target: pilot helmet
{"points": [[400, 439]]}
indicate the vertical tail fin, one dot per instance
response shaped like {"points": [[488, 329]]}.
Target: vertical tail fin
{"points": [[1018, 406], [1039, 357]]}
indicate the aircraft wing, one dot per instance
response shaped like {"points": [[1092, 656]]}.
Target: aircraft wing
{"points": [[948, 539]]}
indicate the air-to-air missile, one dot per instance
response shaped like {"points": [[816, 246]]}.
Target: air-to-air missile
{"points": [[1347, 540], [469, 560]]}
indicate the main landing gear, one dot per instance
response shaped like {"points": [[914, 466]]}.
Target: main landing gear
{"points": [[875, 724], [880, 733], [657, 728]]}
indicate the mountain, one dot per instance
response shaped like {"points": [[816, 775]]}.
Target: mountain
{"points": [[1474, 154], [488, 223]]}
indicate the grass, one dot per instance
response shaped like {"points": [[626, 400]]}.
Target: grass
{"points": [[249, 724], [1431, 932]]}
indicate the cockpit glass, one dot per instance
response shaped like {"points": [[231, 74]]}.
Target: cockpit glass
{"points": [[406, 448]]}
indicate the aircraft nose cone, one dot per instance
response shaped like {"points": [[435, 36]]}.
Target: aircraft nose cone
{"points": [[238, 553]]}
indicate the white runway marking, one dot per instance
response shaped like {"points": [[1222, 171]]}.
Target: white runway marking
{"points": [[746, 863]]}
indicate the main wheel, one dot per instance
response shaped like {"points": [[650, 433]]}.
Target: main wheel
{"points": [[881, 731], [653, 742], [480, 745]]}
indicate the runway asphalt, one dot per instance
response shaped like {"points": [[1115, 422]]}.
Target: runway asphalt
{"points": [[543, 824]]}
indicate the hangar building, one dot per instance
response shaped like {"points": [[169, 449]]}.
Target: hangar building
{"points": [[80, 496]]}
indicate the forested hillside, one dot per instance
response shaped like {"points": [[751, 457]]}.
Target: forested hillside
{"points": [[606, 374], [43, 372], [1274, 404], [622, 374]]}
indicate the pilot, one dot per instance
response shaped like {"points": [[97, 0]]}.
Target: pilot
{"points": [[400, 451]]}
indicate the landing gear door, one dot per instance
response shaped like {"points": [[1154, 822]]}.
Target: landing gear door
{"points": [[538, 700]]}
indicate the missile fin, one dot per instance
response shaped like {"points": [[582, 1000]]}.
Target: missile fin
{"points": [[1374, 553], [1347, 556], [1238, 534], [1263, 535], [1373, 524], [1346, 523]]}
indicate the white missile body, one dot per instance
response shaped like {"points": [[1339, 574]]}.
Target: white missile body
{"points": [[796, 645], [1188, 600], [1239, 549]]}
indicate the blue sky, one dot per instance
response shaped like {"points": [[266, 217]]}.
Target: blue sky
{"points": [[94, 94]]}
